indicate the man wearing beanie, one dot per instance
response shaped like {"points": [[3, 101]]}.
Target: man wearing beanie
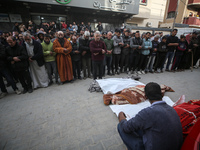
{"points": [[157, 127]]}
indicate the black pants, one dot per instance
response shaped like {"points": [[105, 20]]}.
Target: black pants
{"points": [[5, 73], [76, 68], [160, 60], [116, 59], [143, 62], [24, 78], [108, 62], [134, 60], [97, 67], [196, 56], [177, 60], [124, 61]]}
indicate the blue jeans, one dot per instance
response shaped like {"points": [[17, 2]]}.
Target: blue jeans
{"points": [[5, 73], [169, 56], [150, 63], [133, 141]]}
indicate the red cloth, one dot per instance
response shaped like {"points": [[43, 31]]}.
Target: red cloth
{"points": [[64, 26], [189, 114]]}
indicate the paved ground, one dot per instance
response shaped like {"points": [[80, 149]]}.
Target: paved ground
{"points": [[68, 117]]}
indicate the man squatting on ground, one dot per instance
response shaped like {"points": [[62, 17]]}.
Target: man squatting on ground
{"points": [[157, 127]]}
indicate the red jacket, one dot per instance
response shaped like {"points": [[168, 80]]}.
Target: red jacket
{"points": [[96, 50]]}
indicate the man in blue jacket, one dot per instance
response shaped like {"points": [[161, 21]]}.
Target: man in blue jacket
{"points": [[157, 127]]}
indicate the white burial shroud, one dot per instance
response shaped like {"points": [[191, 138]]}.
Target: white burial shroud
{"points": [[114, 85]]}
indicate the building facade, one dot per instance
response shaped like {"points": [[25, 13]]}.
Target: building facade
{"points": [[151, 13], [187, 16], [112, 13]]}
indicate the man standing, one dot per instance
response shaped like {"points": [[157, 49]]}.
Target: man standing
{"points": [[18, 58], [4, 72], [76, 58], [157, 127], [118, 44], [49, 58], [172, 43], [136, 45], [108, 55], [125, 52], [86, 54], [100, 27], [98, 49], [40, 35], [63, 48], [36, 62]]}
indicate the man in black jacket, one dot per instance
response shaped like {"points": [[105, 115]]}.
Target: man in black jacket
{"points": [[125, 52], [136, 45], [4, 72], [18, 58], [86, 54], [76, 58]]}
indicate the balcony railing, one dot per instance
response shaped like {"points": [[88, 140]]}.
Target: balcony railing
{"points": [[193, 1], [194, 5], [195, 21]]}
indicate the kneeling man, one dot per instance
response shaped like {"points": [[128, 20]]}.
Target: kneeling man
{"points": [[157, 127]]}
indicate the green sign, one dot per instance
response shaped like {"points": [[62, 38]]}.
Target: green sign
{"points": [[65, 1]]}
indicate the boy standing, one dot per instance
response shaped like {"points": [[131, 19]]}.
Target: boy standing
{"points": [[50, 58]]}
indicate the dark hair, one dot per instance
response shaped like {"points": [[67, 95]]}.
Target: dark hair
{"points": [[118, 30], [47, 36], [148, 33], [194, 32], [182, 36], [164, 37], [153, 91], [175, 30], [137, 32]]}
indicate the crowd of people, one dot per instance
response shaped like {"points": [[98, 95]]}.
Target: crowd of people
{"points": [[34, 56]]}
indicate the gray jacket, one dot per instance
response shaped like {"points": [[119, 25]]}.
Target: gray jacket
{"points": [[117, 47]]}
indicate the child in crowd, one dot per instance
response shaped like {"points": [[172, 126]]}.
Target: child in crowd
{"points": [[161, 54], [153, 53]]}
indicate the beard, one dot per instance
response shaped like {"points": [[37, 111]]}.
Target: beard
{"points": [[47, 42]]}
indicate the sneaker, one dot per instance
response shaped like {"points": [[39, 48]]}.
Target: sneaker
{"points": [[3, 94], [84, 78], [142, 72], [134, 72], [80, 78], [139, 72], [25, 91], [18, 92], [30, 90]]}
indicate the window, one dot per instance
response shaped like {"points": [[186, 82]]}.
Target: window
{"points": [[171, 14], [143, 2]]}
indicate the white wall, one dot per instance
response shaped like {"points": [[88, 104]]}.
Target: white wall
{"points": [[155, 10]]}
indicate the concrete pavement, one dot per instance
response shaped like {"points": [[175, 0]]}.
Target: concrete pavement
{"points": [[68, 117]]}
